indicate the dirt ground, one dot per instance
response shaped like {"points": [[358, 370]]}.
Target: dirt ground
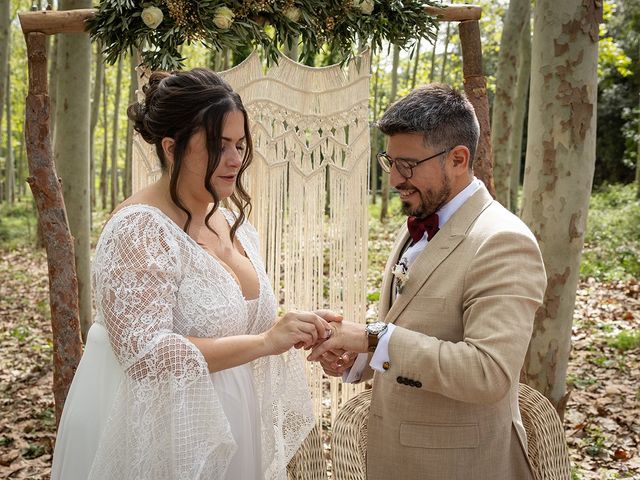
{"points": [[602, 420]]}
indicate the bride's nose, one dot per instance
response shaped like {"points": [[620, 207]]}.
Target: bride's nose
{"points": [[234, 158]]}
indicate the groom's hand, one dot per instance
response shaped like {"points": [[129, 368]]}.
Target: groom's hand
{"points": [[335, 363], [348, 336]]}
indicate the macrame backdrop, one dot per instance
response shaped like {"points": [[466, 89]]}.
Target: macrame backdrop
{"points": [[309, 188]]}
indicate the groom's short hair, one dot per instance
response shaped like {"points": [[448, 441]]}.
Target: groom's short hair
{"points": [[443, 115]]}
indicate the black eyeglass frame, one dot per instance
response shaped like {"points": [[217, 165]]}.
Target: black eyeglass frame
{"points": [[403, 166]]}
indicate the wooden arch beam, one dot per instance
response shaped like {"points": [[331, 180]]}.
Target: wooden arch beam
{"points": [[51, 22]]}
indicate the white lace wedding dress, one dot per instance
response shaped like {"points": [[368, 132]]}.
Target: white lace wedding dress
{"points": [[143, 404]]}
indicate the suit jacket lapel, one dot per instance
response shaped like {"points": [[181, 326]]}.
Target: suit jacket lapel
{"points": [[436, 251]]}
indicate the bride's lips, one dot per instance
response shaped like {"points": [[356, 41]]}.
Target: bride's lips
{"points": [[228, 178]]}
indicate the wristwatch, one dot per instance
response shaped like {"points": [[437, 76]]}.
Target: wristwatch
{"points": [[374, 329]]}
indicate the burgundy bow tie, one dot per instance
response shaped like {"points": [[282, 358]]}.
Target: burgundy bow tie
{"points": [[417, 227]]}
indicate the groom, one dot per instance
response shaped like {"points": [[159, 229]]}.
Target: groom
{"points": [[459, 295]]}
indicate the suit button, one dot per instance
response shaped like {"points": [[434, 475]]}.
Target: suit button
{"points": [[400, 379], [386, 365], [418, 384], [411, 383]]}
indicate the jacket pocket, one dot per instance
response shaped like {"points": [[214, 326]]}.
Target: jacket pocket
{"points": [[425, 435]]}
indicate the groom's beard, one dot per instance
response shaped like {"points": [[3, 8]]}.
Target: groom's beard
{"points": [[430, 199]]}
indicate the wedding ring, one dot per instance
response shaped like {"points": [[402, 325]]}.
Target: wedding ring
{"points": [[339, 362]]}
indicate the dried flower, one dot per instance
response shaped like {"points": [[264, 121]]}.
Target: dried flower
{"points": [[401, 275], [293, 14], [223, 18], [365, 6], [152, 17]]}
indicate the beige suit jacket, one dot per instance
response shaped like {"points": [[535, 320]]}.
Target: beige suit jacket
{"points": [[447, 406]]}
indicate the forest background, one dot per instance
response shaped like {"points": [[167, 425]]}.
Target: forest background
{"points": [[601, 416]]}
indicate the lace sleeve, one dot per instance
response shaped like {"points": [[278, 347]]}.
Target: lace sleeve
{"points": [[167, 421]]}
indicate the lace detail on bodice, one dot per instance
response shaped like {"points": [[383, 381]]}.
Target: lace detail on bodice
{"points": [[154, 286]]}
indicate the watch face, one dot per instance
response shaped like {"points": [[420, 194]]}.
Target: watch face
{"points": [[376, 327]]}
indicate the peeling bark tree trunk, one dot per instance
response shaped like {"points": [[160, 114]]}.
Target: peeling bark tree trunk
{"points": [[519, 111], [72, 149], [559, 171], [505, 100], [44, 182]]}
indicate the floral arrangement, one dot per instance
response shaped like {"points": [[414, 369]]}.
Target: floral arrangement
{"points": [[159, 27], [401, 275]]}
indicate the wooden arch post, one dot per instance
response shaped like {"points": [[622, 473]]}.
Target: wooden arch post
{"points": [[47, 190]]}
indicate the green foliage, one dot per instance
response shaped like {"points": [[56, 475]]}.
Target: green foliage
{"points": [[612, 242], [160, 28], [625, 340], [17, 225], [618, 89], [597, 441], [34, 450]]}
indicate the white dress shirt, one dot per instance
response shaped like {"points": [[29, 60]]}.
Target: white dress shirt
{"points": [[381, 354]]}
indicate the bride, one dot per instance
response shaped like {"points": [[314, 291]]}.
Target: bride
{"points": [[187, 374]]}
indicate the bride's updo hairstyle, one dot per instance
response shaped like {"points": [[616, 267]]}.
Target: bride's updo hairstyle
{"points": [[179, 104]]}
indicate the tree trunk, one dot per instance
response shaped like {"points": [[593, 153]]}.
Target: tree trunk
{"points": [[432, 73], [416, 62], [505, 101], [5, 39], [443, 70], [72, 149], [384, 205], [374, 135], [63, 284], [128, 160], [638, 152], [104, 181], [10, 175], [560, 163], [95, 112], [475, 87], [114, 138], [519, 110], [53, 81]]}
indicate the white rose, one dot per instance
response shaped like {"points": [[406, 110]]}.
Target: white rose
{"points": [[365, 6], [223, 18], [152, 17], [293, 14]]}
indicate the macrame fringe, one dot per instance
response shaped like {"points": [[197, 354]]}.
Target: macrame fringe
{"points": [[309, 186]]}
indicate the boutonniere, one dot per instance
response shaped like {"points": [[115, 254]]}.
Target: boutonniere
{"points": [[401, 275]]}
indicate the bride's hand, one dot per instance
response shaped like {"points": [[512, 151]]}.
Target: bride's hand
{"points": [[329, 316], [302, 329]]}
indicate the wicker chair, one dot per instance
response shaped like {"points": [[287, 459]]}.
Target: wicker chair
{"points": [[547, 448], [309, 463]]}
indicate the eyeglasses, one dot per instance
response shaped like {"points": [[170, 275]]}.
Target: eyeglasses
{"points": [[404, 167]]}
